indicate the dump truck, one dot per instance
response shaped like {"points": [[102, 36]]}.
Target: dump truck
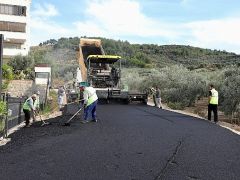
{"points": [[103, 72]]}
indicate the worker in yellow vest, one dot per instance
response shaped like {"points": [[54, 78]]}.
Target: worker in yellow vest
{"points": [[90, 102], [28, 107], [213, 103]]}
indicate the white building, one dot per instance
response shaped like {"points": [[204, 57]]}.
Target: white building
{"points": [[14, 25]]}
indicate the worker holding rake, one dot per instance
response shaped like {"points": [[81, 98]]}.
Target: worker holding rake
{"points": [[90, 102], [28, 108]]}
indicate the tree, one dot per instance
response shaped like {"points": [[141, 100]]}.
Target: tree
{"points": [[7, 72], [22, 64], [230, 92], [7, 75]]}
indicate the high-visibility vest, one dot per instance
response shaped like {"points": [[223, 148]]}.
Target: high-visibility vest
{"points": [[90, 93], [214, 97], [27, 105]]}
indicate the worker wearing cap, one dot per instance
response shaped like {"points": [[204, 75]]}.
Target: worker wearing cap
{"points": [[90, 102], [28, 107]]}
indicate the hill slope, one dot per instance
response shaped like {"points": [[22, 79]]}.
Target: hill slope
{"points": [[146, 55]]}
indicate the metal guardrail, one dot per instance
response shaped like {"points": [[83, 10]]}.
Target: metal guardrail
{"points": [[2, 117], [15, 114]]}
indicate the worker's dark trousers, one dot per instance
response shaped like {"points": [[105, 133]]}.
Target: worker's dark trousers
{"points": [[214, 108], [154, 101], [27, 114], [91, 109]]}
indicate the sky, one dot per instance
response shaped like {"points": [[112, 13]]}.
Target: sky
{"points": [[212, 24]]}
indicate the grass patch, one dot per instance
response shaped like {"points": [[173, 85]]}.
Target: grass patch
{"points": [[51, 103], [176, 105], [2, 125], [46, 109]]}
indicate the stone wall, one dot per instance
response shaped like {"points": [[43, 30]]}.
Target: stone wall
{"points": [[18, 88]]}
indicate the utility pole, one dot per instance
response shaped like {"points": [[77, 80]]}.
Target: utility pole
{"points": [[1, 61]]}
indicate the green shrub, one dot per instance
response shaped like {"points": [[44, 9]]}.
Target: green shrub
{"points": [[22, 66], [7, 72], [53, 95], [46, 109], [51, 104], [5, 85], [230, 91], [3, 108], [7, 75], [177, 83], [3, 112]]}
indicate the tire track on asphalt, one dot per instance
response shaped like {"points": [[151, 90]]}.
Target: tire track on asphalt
{"points": [[156, 115]]}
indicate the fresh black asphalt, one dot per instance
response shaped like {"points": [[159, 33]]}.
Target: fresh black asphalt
{"points": [[130, 142]]}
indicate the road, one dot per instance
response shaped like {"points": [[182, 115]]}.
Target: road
{"points": [[130, 142]]}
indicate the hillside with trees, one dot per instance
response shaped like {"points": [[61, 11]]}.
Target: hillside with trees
{"points": [[182, 72], [146, 55], [150, 55]]}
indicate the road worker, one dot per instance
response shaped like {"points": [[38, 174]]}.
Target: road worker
{"points": [[90, 102], [28, 108], [158, 97], [213, 103], [153, 92], [61, 94]]}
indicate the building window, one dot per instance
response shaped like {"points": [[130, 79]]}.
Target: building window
{"points": [[43, 75], [11, 46], [13, 10], [12, 26]]}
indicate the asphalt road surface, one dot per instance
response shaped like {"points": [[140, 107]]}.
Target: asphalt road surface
{"points": [[130, 142]]}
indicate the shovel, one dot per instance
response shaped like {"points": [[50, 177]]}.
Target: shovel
{"points": [[68, 122]]}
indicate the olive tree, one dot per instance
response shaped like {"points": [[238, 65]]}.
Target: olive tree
{"points": [[230, 92]]}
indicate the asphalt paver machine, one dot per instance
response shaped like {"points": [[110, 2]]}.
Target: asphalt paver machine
{"points": [[103, 72]]}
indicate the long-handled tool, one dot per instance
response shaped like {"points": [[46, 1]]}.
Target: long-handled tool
{"points": [[43, 122], [68, 122]]}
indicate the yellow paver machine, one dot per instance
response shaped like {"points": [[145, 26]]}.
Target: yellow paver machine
{"points": [[103, 72]]}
